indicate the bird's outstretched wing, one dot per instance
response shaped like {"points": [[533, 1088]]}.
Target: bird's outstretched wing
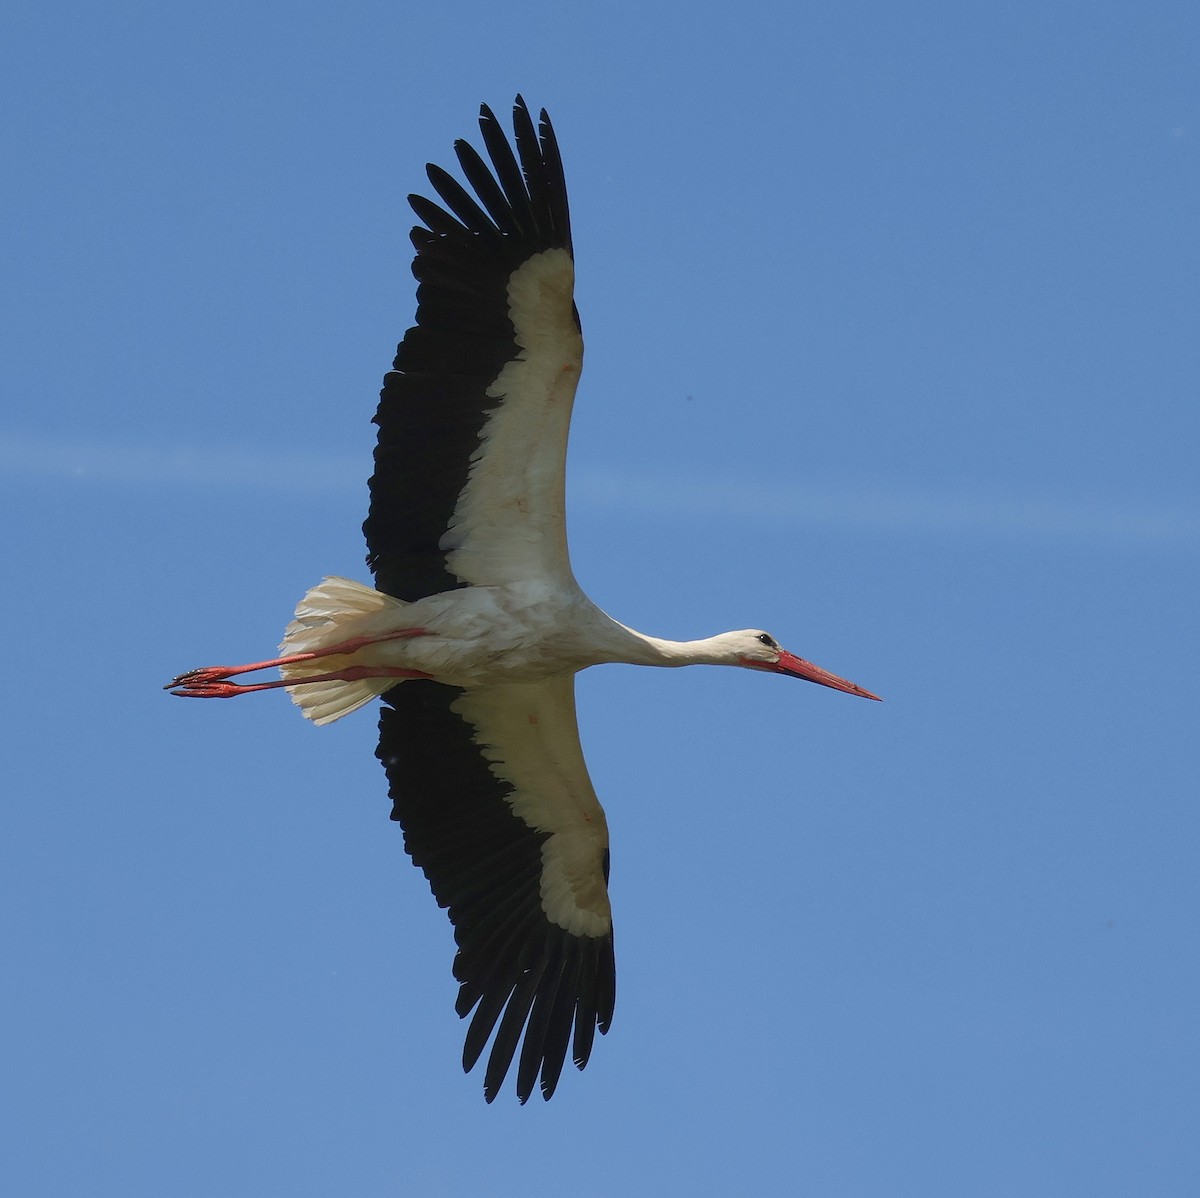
{"points": [[473, 421], [492, 792]]}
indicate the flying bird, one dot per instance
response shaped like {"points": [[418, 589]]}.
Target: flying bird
{"points": [[475, 628]]}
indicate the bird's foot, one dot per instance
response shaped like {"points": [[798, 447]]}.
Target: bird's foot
{"points": [[212, 682], [186, 686], [200, 680]]}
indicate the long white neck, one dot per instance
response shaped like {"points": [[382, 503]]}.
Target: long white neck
{"points": [[626, 645]]}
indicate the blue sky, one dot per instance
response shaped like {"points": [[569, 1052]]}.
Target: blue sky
{"points": [[891, 314]]}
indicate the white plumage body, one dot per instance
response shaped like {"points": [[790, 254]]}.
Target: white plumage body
{"points": [[474, 637]]}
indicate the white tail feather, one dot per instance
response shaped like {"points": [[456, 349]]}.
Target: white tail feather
{"points": [[336, 609]]}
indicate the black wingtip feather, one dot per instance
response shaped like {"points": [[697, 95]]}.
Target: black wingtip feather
{"points": [[508, 1034], [557, 1037]]}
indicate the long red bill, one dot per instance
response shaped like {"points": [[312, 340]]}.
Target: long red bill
{"points": [[797, 667]]}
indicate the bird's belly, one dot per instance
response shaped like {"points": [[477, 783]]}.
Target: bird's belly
{"points": [[491, 663], [489, 643]]}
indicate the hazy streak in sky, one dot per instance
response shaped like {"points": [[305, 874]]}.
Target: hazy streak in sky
{"points": [[714, 498]]}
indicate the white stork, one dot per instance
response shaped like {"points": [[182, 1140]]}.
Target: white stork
{"points": [[476, 627]]}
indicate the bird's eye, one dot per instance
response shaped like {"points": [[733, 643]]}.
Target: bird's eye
{"points": [[769, 641]]}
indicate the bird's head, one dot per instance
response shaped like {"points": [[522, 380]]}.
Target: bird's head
{"points": [[758, 650]]}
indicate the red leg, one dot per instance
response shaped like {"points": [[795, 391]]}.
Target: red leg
{"points": [[188, 687], [209, 674]]}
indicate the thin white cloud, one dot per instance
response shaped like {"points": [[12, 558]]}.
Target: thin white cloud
{"points": [[714, 498], [250, 469], [932, 512]]}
